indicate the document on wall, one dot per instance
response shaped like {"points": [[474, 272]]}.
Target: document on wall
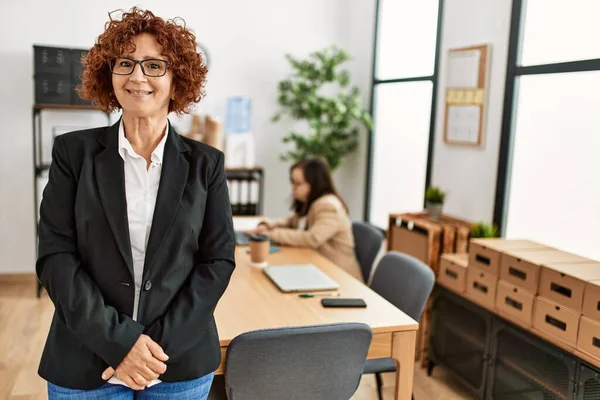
{"points": [[463, 69], [466, 91], [463, 124]]}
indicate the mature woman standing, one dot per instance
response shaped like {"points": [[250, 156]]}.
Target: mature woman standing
{"points": [[136, 242]]}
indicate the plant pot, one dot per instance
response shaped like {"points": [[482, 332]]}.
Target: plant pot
{"points": [[434, 210]]}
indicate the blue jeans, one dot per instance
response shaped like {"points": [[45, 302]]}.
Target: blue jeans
{"points": [[196, 389]]}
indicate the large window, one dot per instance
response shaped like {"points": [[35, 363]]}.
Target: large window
{"points": [[548, 185], [403, 102], [557, 31]]}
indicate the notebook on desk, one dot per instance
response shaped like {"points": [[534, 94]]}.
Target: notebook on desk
{"points": [[299, 278]]}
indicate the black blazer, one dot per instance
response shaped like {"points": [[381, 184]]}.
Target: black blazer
{"points": [[85, 260]]}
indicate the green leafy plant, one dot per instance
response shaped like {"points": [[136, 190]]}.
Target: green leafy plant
{"points": [[484, 230], [434, 194], [334, 120]]}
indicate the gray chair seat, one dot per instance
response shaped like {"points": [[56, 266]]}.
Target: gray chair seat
{"points": [[406, 282], [380, 365], [367, 242], [322, 362]]}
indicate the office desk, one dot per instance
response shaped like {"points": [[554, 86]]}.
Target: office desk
{"points": [[253, 302]]}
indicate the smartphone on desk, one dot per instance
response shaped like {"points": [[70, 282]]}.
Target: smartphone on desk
{"points": [[344, 303]]}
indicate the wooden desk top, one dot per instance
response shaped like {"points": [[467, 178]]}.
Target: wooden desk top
{"points": [[253, 302]]}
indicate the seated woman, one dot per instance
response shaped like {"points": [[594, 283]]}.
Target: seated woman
{"points": [[320, 220]]}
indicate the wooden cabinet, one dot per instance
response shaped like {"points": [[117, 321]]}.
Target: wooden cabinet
{"points": [[417, 235], [427, 240]]}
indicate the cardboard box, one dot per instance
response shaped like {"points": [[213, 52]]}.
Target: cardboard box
{"points": [[481, 285], [565, 283], [551, 317], [413, 241], [453, 272], [591, 300], [515, 301], [522, 267], [589, 336], [485, 253]]}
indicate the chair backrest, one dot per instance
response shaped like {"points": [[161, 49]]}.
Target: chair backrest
{"points": [[367, 242], [404, 281], [323, 362]]}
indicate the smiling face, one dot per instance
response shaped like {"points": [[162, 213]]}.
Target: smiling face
{"points": [[140, 95]]}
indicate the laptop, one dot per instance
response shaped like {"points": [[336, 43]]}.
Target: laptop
{"points": [[241, 225], [299, 278]]}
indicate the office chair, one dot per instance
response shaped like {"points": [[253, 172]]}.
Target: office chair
{"points": [[322, 362], [367, 242], [406, 282]]}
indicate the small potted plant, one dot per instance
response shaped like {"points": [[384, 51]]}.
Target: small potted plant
{"points": [[484, 230], [434, 199]]}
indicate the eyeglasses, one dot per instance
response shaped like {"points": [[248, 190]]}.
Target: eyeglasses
{"points": [[296, 183], [152, 67]]}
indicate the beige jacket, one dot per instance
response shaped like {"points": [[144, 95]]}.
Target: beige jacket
{"points": [[328, 231]]}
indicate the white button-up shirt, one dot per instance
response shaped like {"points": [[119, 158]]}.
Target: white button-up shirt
{"points": [[141, 189]]}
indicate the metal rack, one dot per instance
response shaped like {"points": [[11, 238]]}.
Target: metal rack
{"points": [[513, 364], [242, 201], [460, 335]]}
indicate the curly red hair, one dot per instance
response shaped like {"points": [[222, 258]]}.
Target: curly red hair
{"points": [[178, 45]]}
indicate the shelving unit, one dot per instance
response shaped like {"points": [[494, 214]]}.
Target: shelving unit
{"points": [[472, 329], [540, 385], [459, 340], [537, 369], [245, 204], [589, 384], [515, 363]]}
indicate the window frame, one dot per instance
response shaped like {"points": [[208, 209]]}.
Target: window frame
{"points": [[375, 81], [513, 72]]}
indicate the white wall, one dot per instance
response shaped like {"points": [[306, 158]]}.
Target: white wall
{"points": [[246, 42], [469, 174], [358, 37]]}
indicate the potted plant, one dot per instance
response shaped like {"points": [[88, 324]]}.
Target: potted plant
{"points": [[484, 230], [434, 199], [333, 115]]}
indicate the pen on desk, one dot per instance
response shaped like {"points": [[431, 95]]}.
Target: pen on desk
{"points": [[308, 295]]}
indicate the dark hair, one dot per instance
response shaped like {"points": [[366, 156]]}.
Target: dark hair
{"points": [[318, 175], [178, 45]]}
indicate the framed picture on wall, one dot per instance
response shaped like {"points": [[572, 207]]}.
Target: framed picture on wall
{"points": [[466, 93]]}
